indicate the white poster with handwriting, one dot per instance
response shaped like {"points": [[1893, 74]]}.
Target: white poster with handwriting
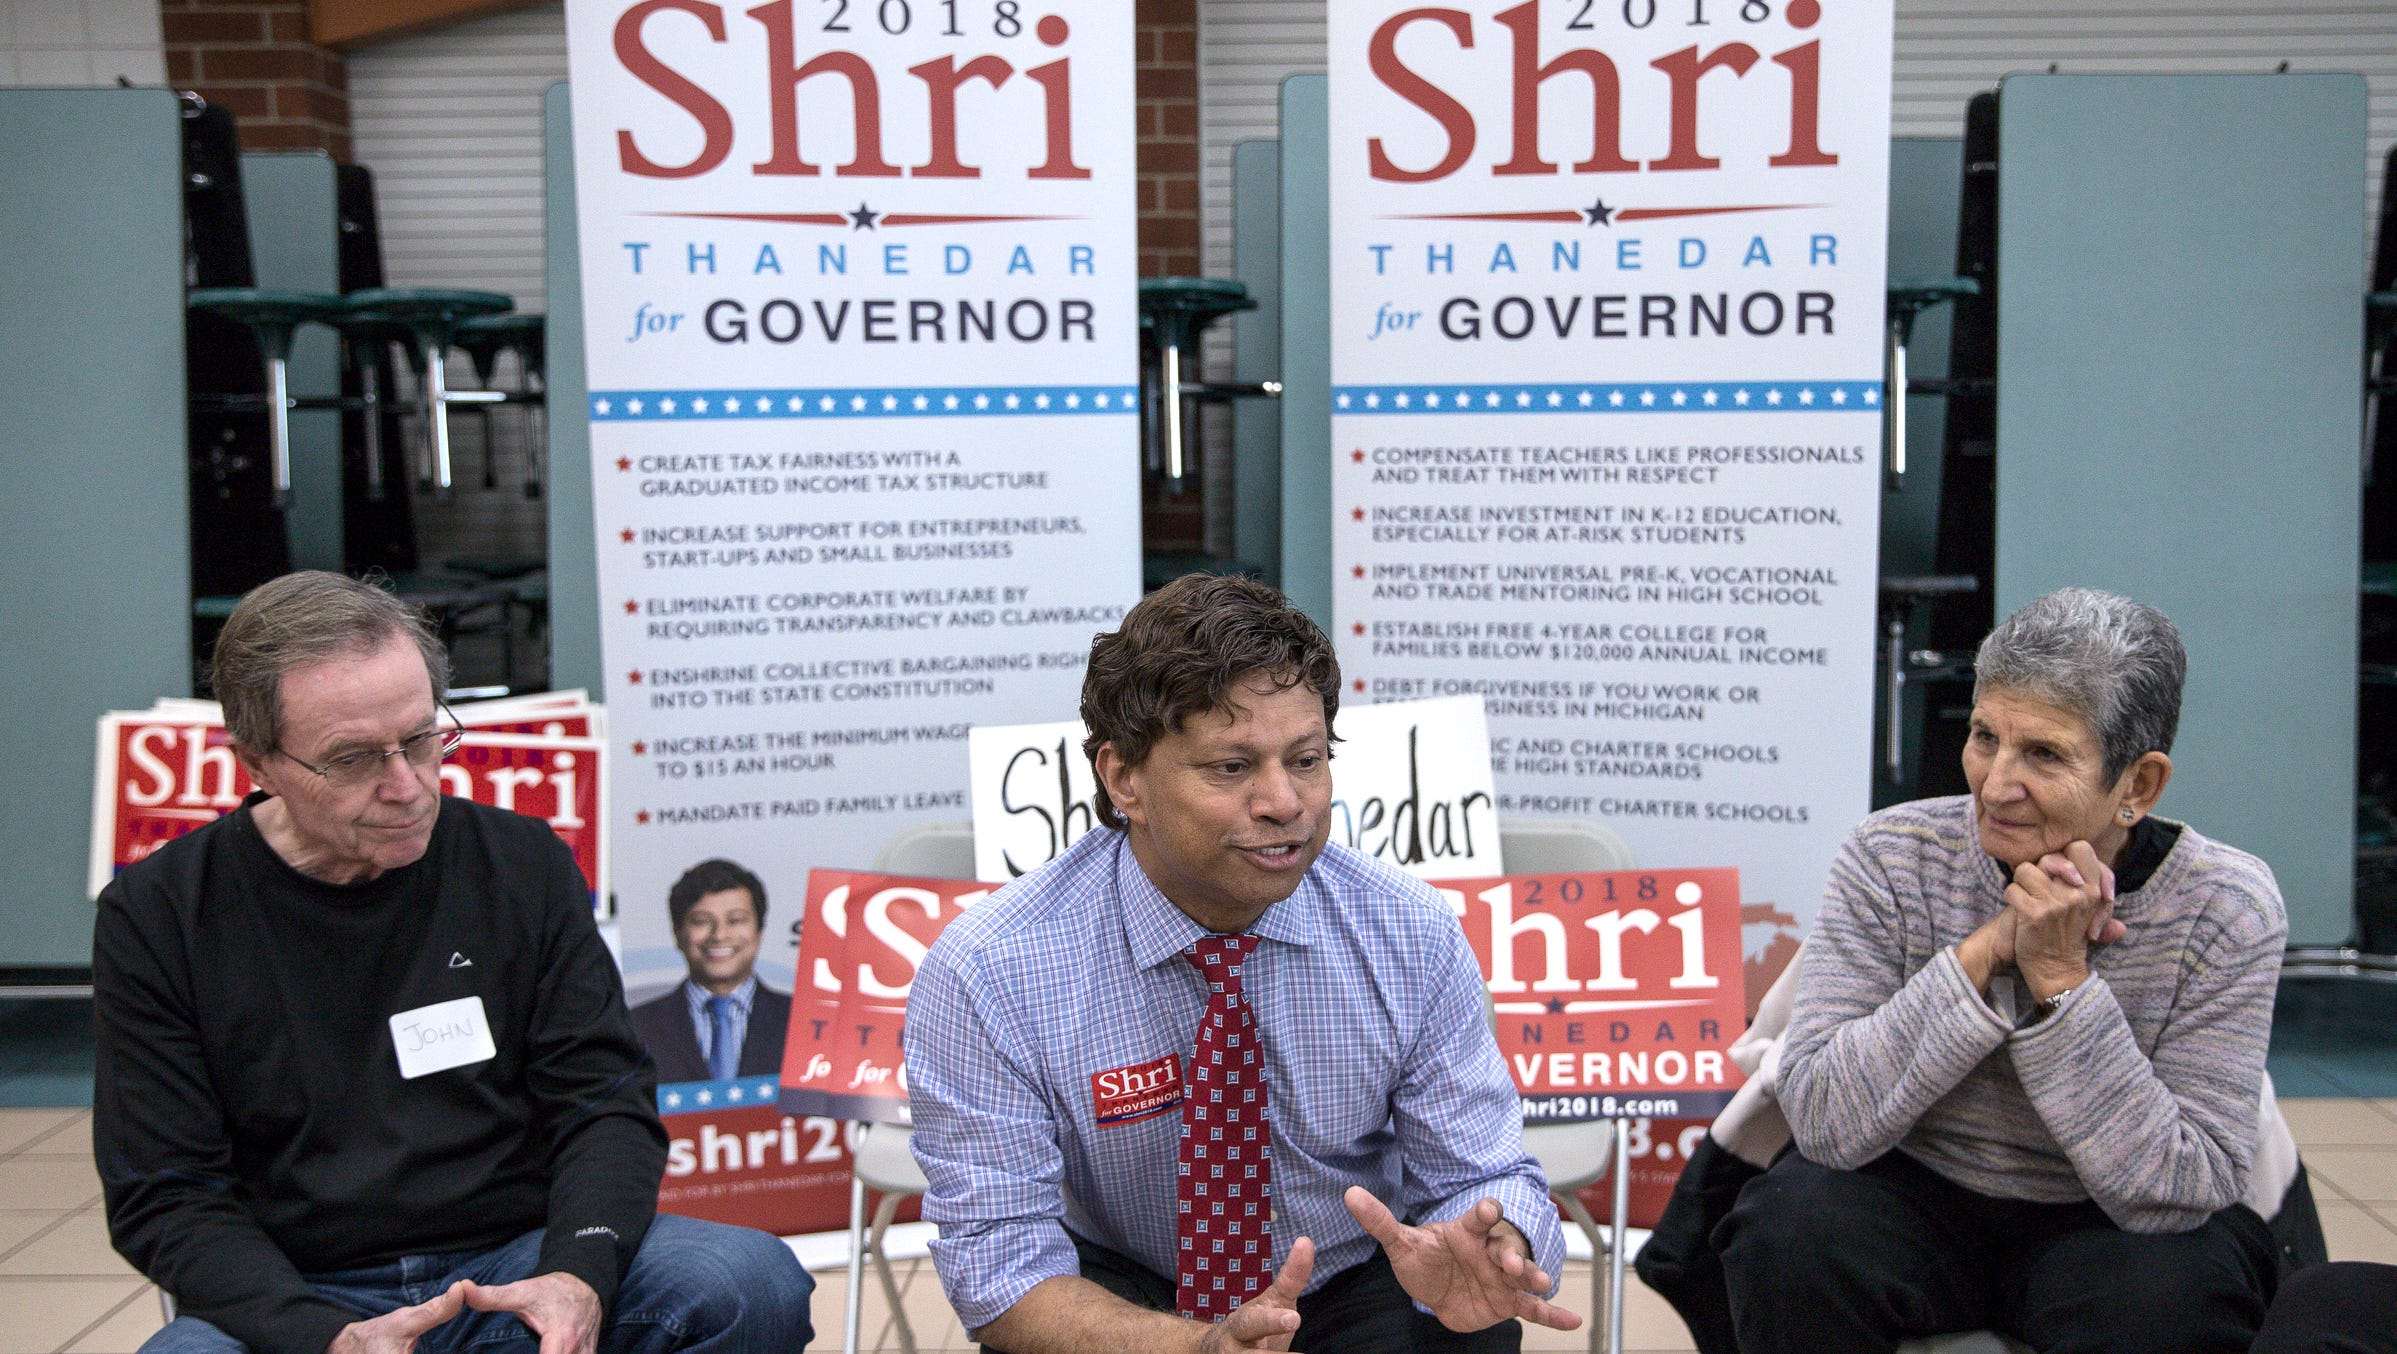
{"points": [[859, 282], [1411, 785], [1607, 304]]}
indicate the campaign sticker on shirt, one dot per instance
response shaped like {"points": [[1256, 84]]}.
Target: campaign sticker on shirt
{"points": [[441, 1036], [1127, 1095]]}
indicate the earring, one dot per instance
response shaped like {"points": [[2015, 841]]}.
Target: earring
{"points": [[2129, 814]]}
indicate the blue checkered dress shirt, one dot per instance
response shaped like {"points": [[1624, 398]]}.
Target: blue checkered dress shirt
{"points": [[1380, 1066]]}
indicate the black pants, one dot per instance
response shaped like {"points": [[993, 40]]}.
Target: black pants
{"points": [[1360, 1310], [1856, 1261], [2346, 1308]]}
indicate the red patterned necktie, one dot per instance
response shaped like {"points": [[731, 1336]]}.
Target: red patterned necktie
{"points": [[1225, 1226]]}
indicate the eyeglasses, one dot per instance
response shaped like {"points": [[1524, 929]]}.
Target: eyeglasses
{"points": [[353, 769]]}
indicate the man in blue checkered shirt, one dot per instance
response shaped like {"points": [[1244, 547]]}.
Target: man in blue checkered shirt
{"points": [[1050, 1032]]}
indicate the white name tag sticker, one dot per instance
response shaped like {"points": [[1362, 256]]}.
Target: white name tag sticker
{"points": [[441, 1036]]}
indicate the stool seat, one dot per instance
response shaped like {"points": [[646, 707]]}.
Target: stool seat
{"points": [[433, 314], [1910, 297], [485, 337], [2380, 317], [272, 312], [1178, 308]]}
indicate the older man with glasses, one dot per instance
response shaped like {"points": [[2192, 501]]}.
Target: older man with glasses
{"points": [[365, 1079]]}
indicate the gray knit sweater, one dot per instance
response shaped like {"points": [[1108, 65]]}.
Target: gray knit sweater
{"points": [[2139, 1092]]}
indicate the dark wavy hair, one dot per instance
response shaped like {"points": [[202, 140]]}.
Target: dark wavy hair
{"points": [[1182, 651], [712, 876]]}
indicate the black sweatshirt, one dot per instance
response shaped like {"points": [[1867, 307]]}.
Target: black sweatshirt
{"points": [[249, 1117]]}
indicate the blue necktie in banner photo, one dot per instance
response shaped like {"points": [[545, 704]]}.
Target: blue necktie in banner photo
{"points": [[860, 287], [1607, 306]]}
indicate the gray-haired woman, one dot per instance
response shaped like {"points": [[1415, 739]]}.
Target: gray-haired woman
{"points": [[2028, 1040]]}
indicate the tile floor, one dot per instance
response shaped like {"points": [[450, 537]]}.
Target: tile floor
{"points": [[63, 1289]]}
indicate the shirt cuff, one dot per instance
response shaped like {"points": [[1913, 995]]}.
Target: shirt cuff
{"points": [[589, 1255], [311, 1331], [1967, 999], [1523, 1204], [986, 1268]]}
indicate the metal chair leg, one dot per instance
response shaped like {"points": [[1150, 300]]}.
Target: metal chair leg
{"points": [[884, 1211], [1579, 1212]]}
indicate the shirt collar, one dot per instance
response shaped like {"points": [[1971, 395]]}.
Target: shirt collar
{"points": [[741, 996], [1157, 930]]}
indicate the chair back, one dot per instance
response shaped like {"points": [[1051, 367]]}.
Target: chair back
{"points": [[885, 1163], [1560, 846], [931, 851]]}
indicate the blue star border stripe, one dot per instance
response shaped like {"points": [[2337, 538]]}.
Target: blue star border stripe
{"points": [[675, 406], [683, 1097], [1624, 397]]}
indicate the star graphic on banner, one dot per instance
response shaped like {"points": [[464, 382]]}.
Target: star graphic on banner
{"points": [[1839, 396], [624, 463], [1358, 456], [1599, 214], [1556, 1006], [795, 404], [634, 677], [734, 1092], [632, 608], [602, 406], [1357, 513], [863, 218], [628, 535], [1359, 571], [1359, 627], [1359, 684], [705, 1097], [642, 816], [640, 749], [633, 405]]}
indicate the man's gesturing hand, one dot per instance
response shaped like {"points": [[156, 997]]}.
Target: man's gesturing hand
{"points": [[1267, 1320], [396, 1332], [559, 1307], [1473, 1272]]}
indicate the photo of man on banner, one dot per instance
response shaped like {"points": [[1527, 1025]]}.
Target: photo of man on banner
{"points": [[720, 1022]]}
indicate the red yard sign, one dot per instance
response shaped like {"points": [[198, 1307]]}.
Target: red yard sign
{"points": [[1615, 995], [750, 1164], [860, 940], [164, 772]]}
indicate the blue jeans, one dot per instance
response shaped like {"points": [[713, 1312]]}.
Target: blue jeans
{"points": [[694, 1286]]}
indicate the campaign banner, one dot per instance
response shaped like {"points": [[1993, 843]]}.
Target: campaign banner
{"points": [[863, 936], [162, 773], [861, 322], [1616, 995], [1607, 306], [1411, 784], [733, 1157]]}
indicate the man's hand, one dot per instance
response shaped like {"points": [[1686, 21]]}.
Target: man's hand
{"points": [[396, 1332], [1473, 1272], [1267, 1320], [2060, 905], [559, 1308]]}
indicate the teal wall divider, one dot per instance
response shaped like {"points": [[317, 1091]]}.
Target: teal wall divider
{"points": [[1307, 345], [2180, 343], [573, 567], [1257, 355], [96, 598], [295, 242]]}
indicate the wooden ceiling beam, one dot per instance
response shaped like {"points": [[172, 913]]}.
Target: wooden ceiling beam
{"points": [[346, 24]]}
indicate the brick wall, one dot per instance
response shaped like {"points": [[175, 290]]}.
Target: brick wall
{"points": [[255, 58], [1167, 89]]}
